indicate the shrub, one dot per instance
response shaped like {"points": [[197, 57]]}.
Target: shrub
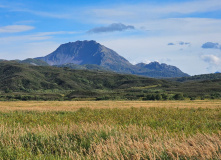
{"points": [[178, 96]]}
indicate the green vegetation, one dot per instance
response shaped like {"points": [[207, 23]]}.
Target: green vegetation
{"points": [[29, 82], [186, 121], [134, 133], [203, 77]]}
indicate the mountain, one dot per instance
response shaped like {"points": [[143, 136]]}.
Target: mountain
{"points": [[91, 52], [87, 52]]}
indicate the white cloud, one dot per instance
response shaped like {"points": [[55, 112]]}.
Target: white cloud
{"points": [[146, 61], [15, 28], [55, 33], [122, 12], [33, 37], [29, 46], [182, 26], [211, 59], [213, 62], [146, 11], [22, 7], [153, 47], [46, 14]]}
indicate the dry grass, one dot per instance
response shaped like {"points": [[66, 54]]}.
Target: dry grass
{"points": [[96, 141], [75, 105], [170, 130]]}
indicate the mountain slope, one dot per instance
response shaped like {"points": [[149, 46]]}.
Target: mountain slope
{"points": [[87, 52], [91, 52], [92, 67]]}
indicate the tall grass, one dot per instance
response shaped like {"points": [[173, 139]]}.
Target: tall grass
{"points": [[96, 141], [182, 120], [133, 133]]}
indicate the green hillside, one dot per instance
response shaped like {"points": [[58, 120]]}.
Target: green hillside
{"points": [[29, 82], [18, 77], [33, 80], [201, 77]]}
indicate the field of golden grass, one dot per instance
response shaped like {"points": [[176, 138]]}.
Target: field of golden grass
{"points": [[132, 130], [97, 141], [75, 105]]}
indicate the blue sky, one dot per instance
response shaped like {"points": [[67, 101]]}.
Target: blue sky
{"points": [[183, 33]]}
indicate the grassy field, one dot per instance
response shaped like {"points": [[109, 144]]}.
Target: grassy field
{"points": [[75, 105], [110, 130]]}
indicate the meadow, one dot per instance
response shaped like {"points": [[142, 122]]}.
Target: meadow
{"points": [[110, 130]]}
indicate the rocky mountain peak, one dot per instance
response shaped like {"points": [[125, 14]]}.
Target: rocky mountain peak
{"points": [[86, 52], [91, 52]]}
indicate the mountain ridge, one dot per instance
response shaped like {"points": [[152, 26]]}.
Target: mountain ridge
{"points": [[91, 52]]}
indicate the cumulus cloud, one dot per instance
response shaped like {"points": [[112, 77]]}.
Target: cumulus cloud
{"points": [[15, 28], [212, 45], [211, 59], [111, 28], [214, 62]]}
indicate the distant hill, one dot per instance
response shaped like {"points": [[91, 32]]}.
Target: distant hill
{"points": [[30, 82], [157, 70], [19, 77], [91, 52], [202, 77]]}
